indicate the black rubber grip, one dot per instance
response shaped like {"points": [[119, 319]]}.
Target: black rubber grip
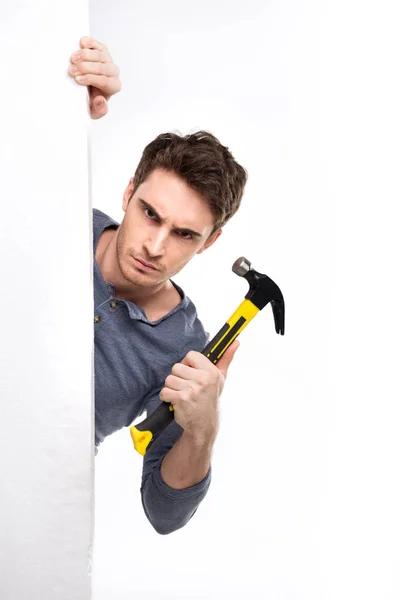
{"points": [[216, 354], [207, 350], [157, 421]]}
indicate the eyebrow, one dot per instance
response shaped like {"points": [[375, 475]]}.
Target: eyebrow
{"points": [[195, 234]]}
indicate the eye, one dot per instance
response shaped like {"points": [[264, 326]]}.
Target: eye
{"points": [[186, 235], [150, 214]]}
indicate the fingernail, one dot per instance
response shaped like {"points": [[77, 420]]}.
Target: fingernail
{"points": [[73, 69], [80, 78], [76, 56]]}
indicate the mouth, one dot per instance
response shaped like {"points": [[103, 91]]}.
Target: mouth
{"points": [[143, 265]]}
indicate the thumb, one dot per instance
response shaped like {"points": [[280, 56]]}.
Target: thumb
{"points": [[226, 359], [97, 103]]}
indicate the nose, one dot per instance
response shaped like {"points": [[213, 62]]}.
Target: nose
{"points": [[156, 243]]}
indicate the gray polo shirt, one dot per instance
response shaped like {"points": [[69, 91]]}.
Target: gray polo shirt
{"points": [[133, 356]]}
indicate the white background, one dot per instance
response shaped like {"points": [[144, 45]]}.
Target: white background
{"points": [[305, 493], [46, 307]]}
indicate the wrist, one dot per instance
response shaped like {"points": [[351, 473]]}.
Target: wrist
{"points": [[199, 440]]}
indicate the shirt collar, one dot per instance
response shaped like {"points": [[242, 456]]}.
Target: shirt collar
{"points": [[137, 313]]}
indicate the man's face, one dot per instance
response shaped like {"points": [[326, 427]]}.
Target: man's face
{"points": [[166, 223]]}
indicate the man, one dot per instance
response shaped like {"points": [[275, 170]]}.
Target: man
{"points": [[148, 337]]}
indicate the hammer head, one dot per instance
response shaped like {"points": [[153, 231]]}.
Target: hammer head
{"points": [[262, 291]]}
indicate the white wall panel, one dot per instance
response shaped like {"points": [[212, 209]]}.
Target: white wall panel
{"points": [[46, 441]]}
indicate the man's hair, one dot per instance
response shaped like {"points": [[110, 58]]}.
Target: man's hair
{"points": [[203, 163]]}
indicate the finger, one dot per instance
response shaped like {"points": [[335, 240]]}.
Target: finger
{"points": [[167, 395], [192, 375], [98, 107], [108, 85], [183, 371], [97, 102], [89, 56], [197, 360], [90, 42], [96, 97], [226, 359], [96, 68], [175, 383]]}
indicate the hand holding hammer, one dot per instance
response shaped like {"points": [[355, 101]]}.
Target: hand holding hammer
{"points": [[262, 291]]}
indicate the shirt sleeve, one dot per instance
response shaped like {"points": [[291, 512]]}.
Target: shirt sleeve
{"points": [[166, 508]]}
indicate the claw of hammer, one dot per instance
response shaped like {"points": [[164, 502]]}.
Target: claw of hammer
{"points": [[262, 291]]}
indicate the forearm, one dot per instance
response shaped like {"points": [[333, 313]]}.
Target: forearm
{"points": [[177, 471], [188, 462], [169, 508]]}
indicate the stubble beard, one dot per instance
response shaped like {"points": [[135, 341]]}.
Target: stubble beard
{"points": [[129, 273]]}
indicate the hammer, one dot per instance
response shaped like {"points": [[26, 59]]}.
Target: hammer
{"points": [[262, 291]]}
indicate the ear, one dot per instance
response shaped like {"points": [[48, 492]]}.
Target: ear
{"points": [[127, 194], [213, 238]]}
